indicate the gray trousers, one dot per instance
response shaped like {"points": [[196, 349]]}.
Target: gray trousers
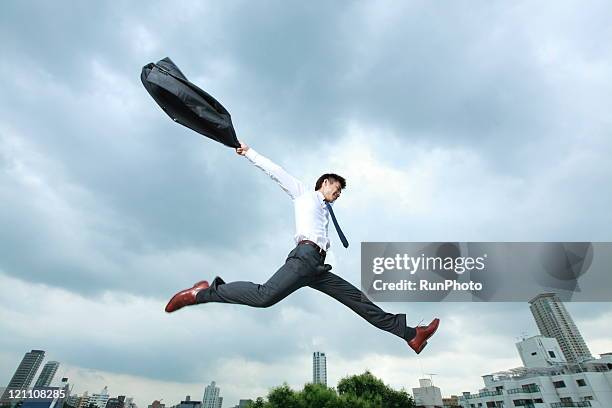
{"points": [[305, 267]]}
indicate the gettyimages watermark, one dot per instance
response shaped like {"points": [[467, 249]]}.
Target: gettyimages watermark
{"points": [[486, 271]]}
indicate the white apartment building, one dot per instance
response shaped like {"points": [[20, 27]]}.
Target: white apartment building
{"points": [[211, 397], [319, 368], [99, 400], [546, 381]]}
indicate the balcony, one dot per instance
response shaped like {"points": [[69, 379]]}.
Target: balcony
{"points": [[570, 404], [526, 389], [482, 394]]}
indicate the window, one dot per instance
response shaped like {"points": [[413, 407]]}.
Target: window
{"points": [[559, 384], [552, 354], [530, 387], [581, 382], [534, 353], [588, 398]]}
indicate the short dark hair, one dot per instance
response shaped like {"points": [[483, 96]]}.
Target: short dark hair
{"points": [[332, 177]]}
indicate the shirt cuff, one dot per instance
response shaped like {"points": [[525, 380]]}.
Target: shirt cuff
{"points": [[251, 154]]}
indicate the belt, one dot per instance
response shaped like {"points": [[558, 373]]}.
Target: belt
{"points": [[320, 250]]}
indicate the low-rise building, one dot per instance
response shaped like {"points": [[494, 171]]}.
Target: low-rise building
{"points": [[243, 403], [427, 395], [546, 382], [451, 402]]}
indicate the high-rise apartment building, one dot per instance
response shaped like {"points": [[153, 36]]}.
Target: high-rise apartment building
{"points": [[47, 374], [23, 376], [319, 368], [211, 396], [554, 321]]}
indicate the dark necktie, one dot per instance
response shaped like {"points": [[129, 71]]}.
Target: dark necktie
{"points": [[333, 217]]}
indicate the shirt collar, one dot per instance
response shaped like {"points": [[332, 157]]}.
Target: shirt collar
{"points": [[321, 199]]}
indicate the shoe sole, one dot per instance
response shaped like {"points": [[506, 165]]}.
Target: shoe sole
{"points": [[422, 347]]}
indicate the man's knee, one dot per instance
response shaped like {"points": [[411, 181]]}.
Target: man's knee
{"points": [[267, 301], [267, 297]]}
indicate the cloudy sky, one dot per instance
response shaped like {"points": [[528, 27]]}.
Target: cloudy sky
{"points": [[464, 121]]}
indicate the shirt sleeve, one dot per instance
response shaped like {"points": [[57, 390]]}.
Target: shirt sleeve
{"points": [[286, 181]]}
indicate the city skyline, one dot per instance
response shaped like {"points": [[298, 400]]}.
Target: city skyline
{"points": [[427, 392]]}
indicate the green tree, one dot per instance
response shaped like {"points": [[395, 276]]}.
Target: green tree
{"points": [[372, 390], [259, 403], [358, 391], [283, 396], [318, 395]]}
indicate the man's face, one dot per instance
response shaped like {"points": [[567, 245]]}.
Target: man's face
{"points": [[331, 190]]}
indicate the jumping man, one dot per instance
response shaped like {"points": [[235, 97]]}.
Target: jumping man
{"points": [[304, 265]]}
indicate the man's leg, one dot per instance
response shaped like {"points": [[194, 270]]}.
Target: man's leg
{"points": [[341, 290], [285, 281]]}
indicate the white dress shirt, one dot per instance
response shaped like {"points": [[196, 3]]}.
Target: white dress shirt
{"points": [[311, 213]]}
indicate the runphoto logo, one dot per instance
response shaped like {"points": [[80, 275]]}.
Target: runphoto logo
{"points": [[413, 264]]}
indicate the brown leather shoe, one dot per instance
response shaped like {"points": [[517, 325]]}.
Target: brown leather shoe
{"points": [[185, 297], [419, 341]]}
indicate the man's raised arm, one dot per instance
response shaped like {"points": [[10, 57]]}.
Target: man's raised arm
{"points": [[288, 183]]}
